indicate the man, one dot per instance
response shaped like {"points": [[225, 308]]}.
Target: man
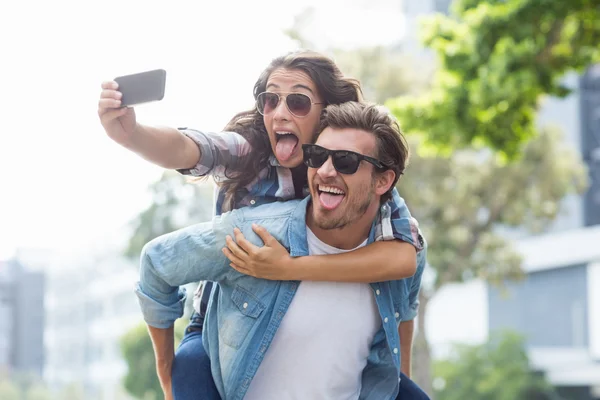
{"points": [[287, 339]]}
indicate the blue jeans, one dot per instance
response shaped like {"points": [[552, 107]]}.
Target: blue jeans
{"points": [[192, 378], [410, 390]]}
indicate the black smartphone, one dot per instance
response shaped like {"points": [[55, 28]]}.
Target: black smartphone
{"points": [[143, 87]]}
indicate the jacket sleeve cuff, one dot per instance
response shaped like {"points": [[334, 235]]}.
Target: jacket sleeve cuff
{"points": [[159, 315]]}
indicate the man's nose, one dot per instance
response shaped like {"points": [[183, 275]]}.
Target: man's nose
{"points": [[327, 170]]}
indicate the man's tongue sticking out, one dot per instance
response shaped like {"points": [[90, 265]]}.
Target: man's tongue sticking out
{"points": [[286, 144], [330, 200]]}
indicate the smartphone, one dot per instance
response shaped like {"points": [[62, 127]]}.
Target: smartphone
{"points": [[141, 88]]}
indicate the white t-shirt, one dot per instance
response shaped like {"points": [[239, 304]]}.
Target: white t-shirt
{"points": [[322, 344]]}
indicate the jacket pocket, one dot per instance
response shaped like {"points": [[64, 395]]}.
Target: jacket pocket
{"points": [[245, 311]]}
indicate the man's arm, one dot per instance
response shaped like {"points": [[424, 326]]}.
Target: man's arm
{"points": [[171, 260], [405, 330], [406, 327], [164, 351], [187, 255]]}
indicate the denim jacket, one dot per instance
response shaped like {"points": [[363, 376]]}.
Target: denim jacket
{"points": [[245, 312]]}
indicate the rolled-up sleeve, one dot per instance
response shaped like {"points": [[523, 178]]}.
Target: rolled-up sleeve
{"points": [[187, 255], [220, 152], [415, 287]]}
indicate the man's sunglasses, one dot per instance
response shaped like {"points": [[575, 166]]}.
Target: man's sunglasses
{"points": [[298, 104], [344, 161]]}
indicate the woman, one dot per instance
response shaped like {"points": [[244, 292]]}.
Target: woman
{"points": [[258, 160]]}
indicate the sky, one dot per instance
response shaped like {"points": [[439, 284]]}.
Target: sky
{"points": [[65, 185]]}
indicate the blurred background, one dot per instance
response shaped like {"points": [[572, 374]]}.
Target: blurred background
{"points": [[500, 101]]}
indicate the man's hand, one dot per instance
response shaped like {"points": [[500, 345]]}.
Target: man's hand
{"points": [[272, 261]]}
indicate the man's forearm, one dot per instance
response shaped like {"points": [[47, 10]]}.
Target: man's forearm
{"points": [[405, 330], [163, 342], [164, 146]]}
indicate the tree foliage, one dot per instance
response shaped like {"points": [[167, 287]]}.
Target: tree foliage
{"points": [[497, 58], [464, 202], [496, 370]]}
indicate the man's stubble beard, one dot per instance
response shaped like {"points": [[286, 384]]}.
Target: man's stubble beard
{"points": [[362, 205]]}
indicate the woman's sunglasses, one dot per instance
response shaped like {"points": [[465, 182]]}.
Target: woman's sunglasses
{"points": [[344, 161], [298, 104]]}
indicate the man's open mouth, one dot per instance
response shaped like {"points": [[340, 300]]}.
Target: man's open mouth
{"points": [[330, 196]]}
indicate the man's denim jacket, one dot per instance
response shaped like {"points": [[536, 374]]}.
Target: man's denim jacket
{"points": [[246, 312]]}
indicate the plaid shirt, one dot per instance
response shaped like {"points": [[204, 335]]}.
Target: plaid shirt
{"points": [[222, 151]]}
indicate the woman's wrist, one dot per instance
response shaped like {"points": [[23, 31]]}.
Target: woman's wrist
{"points": [[296, 269]]}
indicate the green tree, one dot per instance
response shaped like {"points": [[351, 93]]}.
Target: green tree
{"points": [[496, 370], [466, 200], [176, 203], [497, 58], [141, 380]]}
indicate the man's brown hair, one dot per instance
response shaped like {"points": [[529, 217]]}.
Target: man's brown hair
{"points": [[392, 148]]}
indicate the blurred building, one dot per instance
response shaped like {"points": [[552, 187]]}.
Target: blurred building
{"points": [[90, 304], [21, 318], [557, 308]]}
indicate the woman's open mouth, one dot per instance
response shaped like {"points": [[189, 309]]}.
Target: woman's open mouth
{"points": [[287, 144]]}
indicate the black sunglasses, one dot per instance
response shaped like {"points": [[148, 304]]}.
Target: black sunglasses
{"points": [[344, 161], [298, 104]]}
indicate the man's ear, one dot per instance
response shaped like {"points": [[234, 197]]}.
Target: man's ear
{"points": [[384, 181]]}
